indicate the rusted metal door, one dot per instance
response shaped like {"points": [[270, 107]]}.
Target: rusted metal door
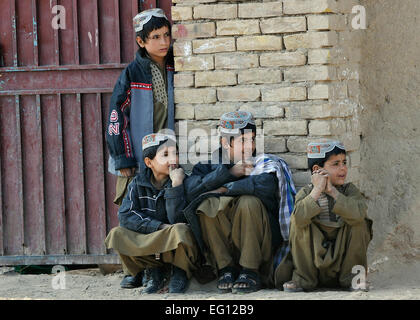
{"points": [[59, 61]]}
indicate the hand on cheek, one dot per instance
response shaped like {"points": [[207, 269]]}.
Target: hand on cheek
{"points": [[330, 189], [319, 180]]}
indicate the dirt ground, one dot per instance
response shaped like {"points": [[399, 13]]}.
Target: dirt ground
{"points": [[388, 281]]}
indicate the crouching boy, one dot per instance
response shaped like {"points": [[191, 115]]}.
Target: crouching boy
{"points": [[152, 231], [329, 229], [237, 212]]}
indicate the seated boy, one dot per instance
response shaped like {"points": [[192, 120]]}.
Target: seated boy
{"points": [[152, 231], [329, 228], [238, 217]]}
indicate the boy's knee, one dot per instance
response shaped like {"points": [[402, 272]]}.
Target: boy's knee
{"points": [[117, 232], [249, 206], [180, 228], [298, 232], [251, 202], [205, 220]]}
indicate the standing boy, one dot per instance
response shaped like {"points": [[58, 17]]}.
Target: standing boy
{"points": [[142, 101], [329, 230], [153, 231]]}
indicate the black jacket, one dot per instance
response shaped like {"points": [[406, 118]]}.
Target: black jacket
{"points": [[207, 177], [131, 110], [145, 208]]}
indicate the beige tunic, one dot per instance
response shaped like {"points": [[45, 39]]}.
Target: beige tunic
{"points": [[237, 232], [176, 245], [324, 254]]}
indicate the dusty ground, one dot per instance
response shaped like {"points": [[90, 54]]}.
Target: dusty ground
{"points": [[388, 281]]}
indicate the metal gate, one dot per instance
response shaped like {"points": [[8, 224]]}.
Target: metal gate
{"points": [[59, 61]]}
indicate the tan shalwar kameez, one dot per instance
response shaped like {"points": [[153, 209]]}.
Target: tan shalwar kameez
{"points": [[237, 231], [324, 253], [175, 244]]}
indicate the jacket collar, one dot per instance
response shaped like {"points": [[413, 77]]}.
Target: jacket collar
{"points": [[144, 179], [143, 61]]}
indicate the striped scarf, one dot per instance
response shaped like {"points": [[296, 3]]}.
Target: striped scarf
{"points": [[266, 163], [325, 215]]}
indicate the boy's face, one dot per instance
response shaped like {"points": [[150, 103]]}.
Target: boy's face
{"points": [[240, 148], [166, 156], [336, 166], [157, 43]]}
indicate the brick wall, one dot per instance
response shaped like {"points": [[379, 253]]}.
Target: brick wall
{"points": [[292, 63]]}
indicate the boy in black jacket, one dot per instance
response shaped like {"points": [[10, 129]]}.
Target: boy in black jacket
{"points": [[238, 218], [152, 229]]}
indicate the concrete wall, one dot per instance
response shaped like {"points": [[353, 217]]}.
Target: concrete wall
{"points": [[390, 122]]}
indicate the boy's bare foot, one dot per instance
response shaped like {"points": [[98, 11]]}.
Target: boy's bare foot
{"points": [[292, 286]]}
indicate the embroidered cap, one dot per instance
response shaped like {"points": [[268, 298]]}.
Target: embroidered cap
{"points": [[317, 150], [144, 17], [155, 139], [233, 122]]}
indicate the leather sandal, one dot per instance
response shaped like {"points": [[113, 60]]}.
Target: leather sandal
{"points": [[250, 278], [227, 277]]}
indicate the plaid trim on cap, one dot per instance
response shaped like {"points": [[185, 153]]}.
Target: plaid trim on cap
{"points": [[155, 139], [318, 150], [144, 17], [232, 122]]}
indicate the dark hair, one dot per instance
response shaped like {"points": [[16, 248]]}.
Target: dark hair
{"points": [[154, 24], [321, 161], [242, 131], [152, 151]]}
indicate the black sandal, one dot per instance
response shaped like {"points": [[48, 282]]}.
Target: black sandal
{"points": [[227, 276], [250, 278]]}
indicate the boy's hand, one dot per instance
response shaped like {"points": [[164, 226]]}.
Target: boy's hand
{"points": [[242, 168], [128, 172], [319, 179], [218, 190], [176, 175], [330, 189]]}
